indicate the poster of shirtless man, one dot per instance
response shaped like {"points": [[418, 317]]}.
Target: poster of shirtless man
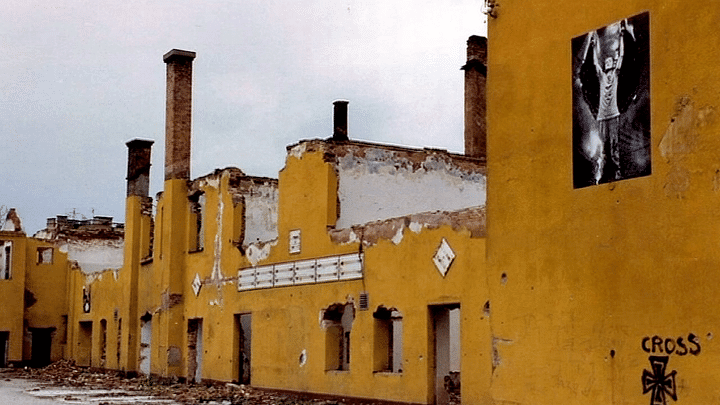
{"points": [[611, 103]]}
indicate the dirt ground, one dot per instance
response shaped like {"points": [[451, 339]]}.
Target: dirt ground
{"points": [[66, 374]]}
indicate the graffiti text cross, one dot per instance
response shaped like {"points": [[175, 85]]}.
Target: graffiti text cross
{"points": [[658, 383]]}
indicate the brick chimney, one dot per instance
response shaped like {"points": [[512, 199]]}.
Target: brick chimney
{"points": [[178, 113], [138, 171], [475, 77], [340, 120]]}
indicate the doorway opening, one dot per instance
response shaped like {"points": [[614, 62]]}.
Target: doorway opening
{"points": [[445, 338], [103, 342], [243, 352], [84, 357], [41, 346], [195, 350], [4, 346], [145, 341]]}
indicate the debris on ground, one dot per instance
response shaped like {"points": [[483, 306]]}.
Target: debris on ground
{"points": [[65, 373]]}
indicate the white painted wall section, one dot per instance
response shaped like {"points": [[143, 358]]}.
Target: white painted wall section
{"points": [[95, 255], [382, 185], [261, 214]]}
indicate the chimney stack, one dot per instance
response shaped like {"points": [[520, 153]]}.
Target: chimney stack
{"points": [[340, 120], [178, 113], [138, 171], [475, 77]]}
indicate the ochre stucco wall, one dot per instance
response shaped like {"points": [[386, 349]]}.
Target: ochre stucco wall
{"points": [[592, 272], [12, 296], [286, 321]]}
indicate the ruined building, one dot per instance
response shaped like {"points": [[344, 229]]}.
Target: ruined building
{"points": [[567, 257], [295, 283], [36, 275]]}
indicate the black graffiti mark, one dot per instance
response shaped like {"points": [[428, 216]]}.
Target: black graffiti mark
{"points": [[678, 346], [657, 382]]}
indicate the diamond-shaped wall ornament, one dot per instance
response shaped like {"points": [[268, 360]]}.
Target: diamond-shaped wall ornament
{"points": [[444, 257], [196, 284]]}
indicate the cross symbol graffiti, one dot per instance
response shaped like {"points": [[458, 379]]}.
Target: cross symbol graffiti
{"points": [[660, 385]]}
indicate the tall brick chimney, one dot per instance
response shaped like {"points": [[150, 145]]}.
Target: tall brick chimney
{"points": [[340, 120], [475, 77], [178, 113], [138, 170]]}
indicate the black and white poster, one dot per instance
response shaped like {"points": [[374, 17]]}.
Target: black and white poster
{"points": [[611, 102]]}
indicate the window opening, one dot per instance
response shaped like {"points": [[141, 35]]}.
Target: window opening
{"points": [[388, 340], [197, 211], [5, 260], [337, 320], [44, 255]]}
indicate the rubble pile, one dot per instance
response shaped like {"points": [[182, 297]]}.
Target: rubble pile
{"points": [[65, 373]]}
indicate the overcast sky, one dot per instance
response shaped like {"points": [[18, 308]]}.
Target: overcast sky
{"points": [[81, 78]]}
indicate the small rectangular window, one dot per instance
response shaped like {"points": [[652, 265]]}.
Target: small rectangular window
{"points": [[5, 260], [44, 255], [387, 355], [197, 228]]}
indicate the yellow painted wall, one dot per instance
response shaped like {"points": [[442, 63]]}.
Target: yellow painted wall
{"points": [[11, 296], [47, 282], [592, 272], [34, 297], [286, 321]]}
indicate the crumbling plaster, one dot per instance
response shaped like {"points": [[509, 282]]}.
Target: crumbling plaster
{"points": [[94, 255], [471, 219], [258, 196], [378, 182]]}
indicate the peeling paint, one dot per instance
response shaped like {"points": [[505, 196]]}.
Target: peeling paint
{"points": [[261, 213], [259, 251], [681, 140], [380, 184], [398, 235], [94, 256], [496, 359], [297, 151], [677, 182], [170, 300], [416, 227], [471, 219]]}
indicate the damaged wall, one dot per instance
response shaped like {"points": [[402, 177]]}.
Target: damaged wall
{"points": [[94, 256], [377, 182], [33, 299]]}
